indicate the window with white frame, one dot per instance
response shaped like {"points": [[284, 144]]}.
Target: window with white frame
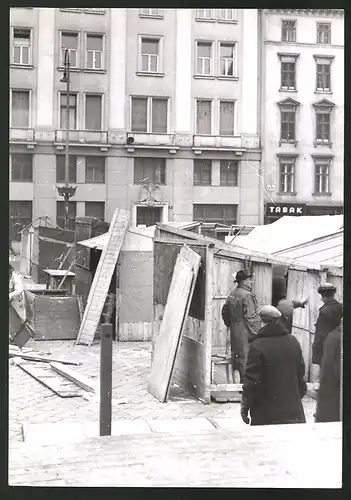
{"points": [[20, 108], [226, 117], [95, 209], [60, 169], [149, 171], [21, 215], [204, 14], [151, 12], [324, 33], [227, 14], [288, 122], [204, 58], [22, 42], [288, 71], [202, 172], [150, 55], [21, 167], [148, 216], [69, 41], [323, 74], [72, 111], [149, 114], [287, 174], [229, 172], [203, 117], [323, 114], [227, 59], [94, 51], [288, 31], [223, 214], [95, 169], [93, 112], [322, 175]]}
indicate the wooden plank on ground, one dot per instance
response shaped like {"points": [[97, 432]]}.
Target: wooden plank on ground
{"points": [[102, 278], [74, 377], [47, 377], [175, 313], [43, 359]]}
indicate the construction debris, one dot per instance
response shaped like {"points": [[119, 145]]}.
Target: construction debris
{"points": [[47, 377], [31, 357], [102, 278], [74, 377]]}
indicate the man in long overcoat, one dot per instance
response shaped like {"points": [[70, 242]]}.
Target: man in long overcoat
{"points": [[240, 315], [328, 396], [274, 377], [329, 318]]}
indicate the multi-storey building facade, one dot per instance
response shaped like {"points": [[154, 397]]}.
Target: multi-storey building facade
{"points": [[302, 119], [163, 114]]}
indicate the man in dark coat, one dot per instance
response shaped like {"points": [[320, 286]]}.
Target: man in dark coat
{"points": [[274, 377], [329, 318], [328, 396], [240, 315], [286, 308]]}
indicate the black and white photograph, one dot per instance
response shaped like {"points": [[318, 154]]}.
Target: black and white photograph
{"points": [[176, 235]]}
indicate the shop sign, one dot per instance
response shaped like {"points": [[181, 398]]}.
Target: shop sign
{"points": [[276, 209]]}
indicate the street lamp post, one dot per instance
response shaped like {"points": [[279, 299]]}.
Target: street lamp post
{"points": [[66, 191]]}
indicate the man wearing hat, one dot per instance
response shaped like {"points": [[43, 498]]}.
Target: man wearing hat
{"points": [[329, 318], [274, 376], [240, 315]]}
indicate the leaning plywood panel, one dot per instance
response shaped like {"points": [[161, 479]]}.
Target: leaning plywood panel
{"points": [[175, 313], [103, 276]]}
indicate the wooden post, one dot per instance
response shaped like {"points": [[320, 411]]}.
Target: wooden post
{"points": [[105, 379], [208, 321]]}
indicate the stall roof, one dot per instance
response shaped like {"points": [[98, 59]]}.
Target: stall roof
{"points": [[229, 250], [328, 250], [289, 232]]}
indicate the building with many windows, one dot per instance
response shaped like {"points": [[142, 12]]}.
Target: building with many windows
{"points": [[302, 119], [168, 110], [163, 116]]}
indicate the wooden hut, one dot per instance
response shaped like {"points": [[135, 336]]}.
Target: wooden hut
{"points": [[204, 332]]}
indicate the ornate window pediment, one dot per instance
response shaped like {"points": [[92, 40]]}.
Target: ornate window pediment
{"points": [[288, 102], [324, 104]]}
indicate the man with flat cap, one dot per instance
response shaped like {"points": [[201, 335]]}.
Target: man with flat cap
{"points": [[240, 315], [329, 318], [274, 376]]}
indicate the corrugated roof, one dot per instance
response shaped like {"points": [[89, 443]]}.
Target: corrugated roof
{"points": [[288, 232]]}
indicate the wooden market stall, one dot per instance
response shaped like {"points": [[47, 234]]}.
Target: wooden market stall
{"points": [[205, 333]]}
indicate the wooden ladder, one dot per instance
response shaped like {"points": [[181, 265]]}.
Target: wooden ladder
{"points": [[102, 278]]}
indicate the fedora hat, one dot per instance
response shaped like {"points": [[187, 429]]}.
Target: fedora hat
{"points": [[241, 276]]}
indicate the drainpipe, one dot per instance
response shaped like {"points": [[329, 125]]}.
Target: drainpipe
{"points": [[260, 93]]}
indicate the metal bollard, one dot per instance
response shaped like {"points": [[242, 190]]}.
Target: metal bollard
{"points": [[105, 379]]}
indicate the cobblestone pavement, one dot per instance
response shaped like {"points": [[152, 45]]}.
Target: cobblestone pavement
{"points": [[32, 402]]}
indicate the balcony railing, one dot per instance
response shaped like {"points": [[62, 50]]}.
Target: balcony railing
{"points": [[217, 141], [82, 136], [145, 139], [21, 134]]}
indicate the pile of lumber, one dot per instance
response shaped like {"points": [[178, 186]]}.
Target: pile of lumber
{"points": [[52, 373]]}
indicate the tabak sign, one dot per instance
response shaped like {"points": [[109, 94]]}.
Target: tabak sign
{"points": [[277, 209]]}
